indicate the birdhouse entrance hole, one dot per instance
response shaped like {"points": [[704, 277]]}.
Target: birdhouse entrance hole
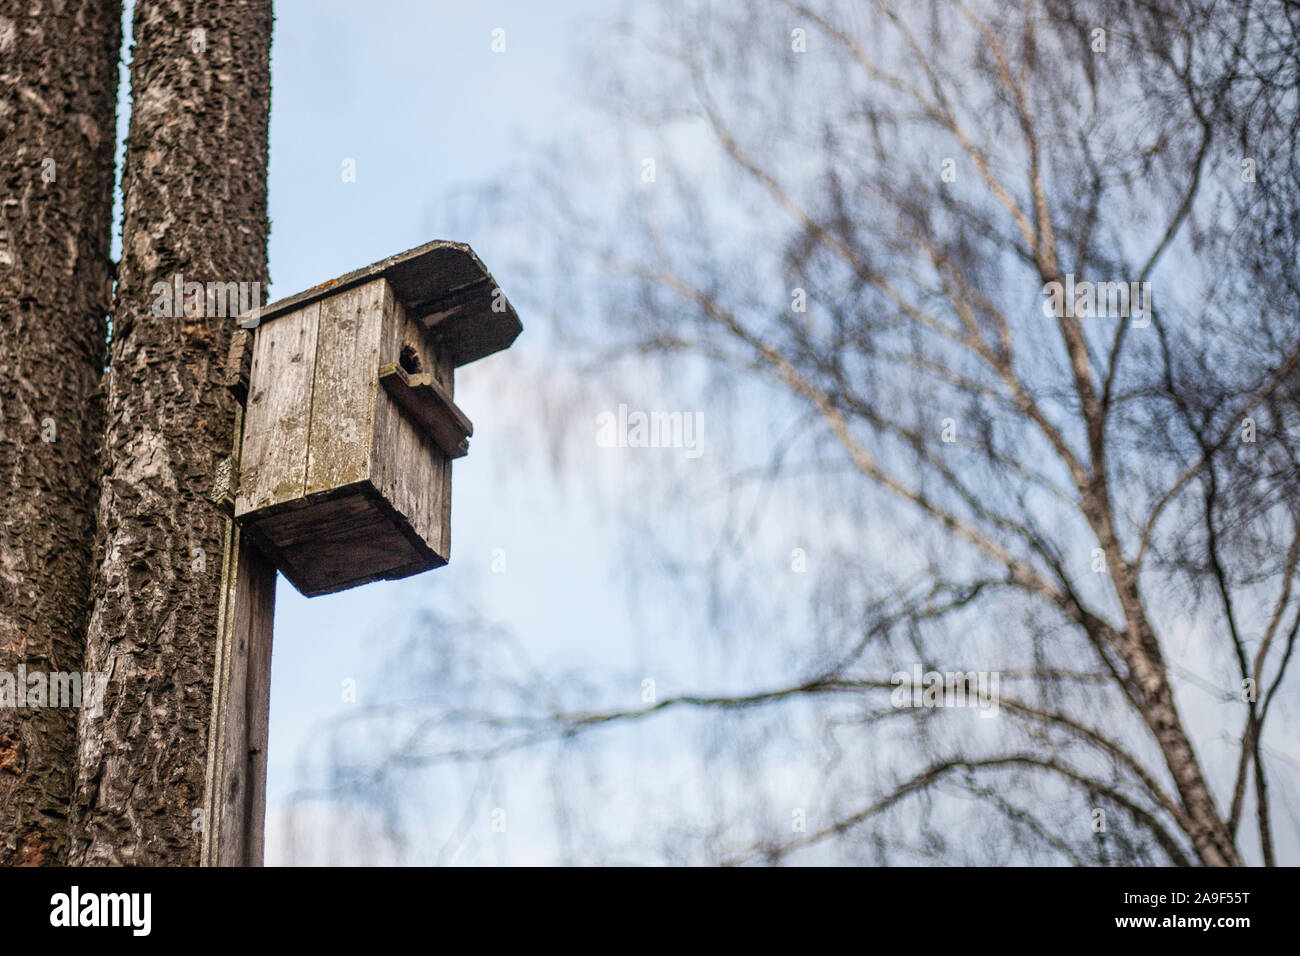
{"points": [[409, 360]]}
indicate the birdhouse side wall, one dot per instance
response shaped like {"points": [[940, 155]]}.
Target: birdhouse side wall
{"points": [[406, 466]]}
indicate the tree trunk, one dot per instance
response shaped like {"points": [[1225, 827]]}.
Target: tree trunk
{"points": [[58, 109], [194, 188]]}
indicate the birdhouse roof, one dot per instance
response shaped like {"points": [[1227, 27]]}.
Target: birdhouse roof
{"points": [[444, 287]]}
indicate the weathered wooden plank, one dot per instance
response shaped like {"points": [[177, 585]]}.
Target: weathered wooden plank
{"points": [[234, 802], [445, 373], [425, 400], [278, 420], [442, 513], [257, 697], [239, 364], [411, 472], [347, 379], [393, 339]]}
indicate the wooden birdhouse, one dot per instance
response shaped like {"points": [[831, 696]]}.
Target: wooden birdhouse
{"points": [[349, 429]]}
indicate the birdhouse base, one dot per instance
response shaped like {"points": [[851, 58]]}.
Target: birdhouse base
{"points": [[340, 539]]}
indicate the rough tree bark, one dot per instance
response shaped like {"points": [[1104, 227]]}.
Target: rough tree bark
{"points": [[58, 102], [194, 186]]}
